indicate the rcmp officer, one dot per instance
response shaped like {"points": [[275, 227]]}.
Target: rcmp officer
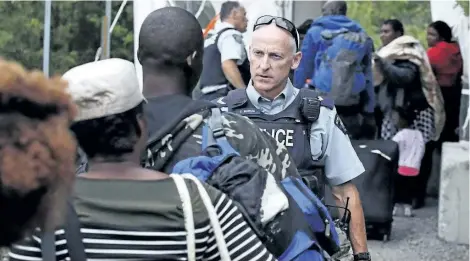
{"points": [[226, 65], [305, 123]]}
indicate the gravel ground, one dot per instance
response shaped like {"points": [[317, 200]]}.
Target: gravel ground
{"points": [[416, 239]]}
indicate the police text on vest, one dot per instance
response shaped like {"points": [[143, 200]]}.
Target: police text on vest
{"points": [[285, 137]]}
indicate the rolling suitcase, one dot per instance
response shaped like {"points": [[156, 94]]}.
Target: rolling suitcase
{"points": [[375, 185]]}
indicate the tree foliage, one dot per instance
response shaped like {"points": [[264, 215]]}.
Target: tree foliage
{"points": [[415, 16], [75, 32], [465, 4], [76, 28]]}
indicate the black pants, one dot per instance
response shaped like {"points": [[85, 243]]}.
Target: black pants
{"points": [[408, 189], [379, 116], [405, 188], [452, 97], [424, 172], [352, 124]]}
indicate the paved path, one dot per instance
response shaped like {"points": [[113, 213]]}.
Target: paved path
{"points": [[415, 239]]}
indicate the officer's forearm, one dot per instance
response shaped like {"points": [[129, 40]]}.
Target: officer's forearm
{"points": [[357, 232], [232, 74]]}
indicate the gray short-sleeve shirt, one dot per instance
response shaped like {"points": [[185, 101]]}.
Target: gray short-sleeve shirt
{"points": [[328, 140], [231, 45]]}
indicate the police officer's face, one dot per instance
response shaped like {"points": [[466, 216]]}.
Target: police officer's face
{"points": [[239, 16], [272, 56]]}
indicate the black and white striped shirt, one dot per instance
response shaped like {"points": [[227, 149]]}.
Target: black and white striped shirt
{"points": [[132, 236]]}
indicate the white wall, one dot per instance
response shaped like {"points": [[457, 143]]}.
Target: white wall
{"points": [[304, 10], [142, 8]]}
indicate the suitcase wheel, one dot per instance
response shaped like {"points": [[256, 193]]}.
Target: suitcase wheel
{"points": [[386, 237], [386, 234]]}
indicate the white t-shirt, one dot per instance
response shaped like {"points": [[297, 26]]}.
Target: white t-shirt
{"points": [[411, 147]]}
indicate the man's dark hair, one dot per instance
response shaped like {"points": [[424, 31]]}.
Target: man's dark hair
{"points": [[227, 8], [396, 25], [335, 7], [168, 36], [443, 30], [111, 136]]}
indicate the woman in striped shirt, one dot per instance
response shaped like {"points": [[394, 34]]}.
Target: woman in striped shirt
{"points": [[128, 212]]}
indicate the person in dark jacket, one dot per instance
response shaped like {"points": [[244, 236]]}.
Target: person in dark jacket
{"points": [[402, 91]]}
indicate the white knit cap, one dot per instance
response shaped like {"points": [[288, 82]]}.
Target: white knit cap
{"points": [[104, 88]]}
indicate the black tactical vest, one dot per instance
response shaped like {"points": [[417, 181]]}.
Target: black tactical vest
{"points": [[212, 73], [291, 127]]}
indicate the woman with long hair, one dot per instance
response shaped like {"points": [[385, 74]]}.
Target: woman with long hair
{"points": [[446, 61]]}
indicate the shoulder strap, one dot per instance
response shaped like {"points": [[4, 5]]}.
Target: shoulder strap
{"points": [[48, 246], [197, 106], [188, 215], [219, 33], [219, 236], [236, 99], [213, 133], [330, 34], [73, 237], [215, 123]]}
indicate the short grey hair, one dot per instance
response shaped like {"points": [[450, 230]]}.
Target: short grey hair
{"points": [[293, 45], [292, 41]]}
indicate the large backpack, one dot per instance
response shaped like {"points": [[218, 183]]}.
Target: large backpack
{"points": [[340, 65], [303, 232]]}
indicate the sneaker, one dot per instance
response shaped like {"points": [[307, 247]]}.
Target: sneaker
{"points": [[408, 211], [395, 209]]}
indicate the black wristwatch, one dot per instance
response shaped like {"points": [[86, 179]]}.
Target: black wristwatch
{"points": [[362, 256]]}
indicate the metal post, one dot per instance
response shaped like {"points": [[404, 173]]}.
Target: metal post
{"points": [[108, 25], [104, 38], [46, 46]]}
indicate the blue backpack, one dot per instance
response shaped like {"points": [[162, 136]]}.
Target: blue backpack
{"points": [[340, 63], [284, 239]]}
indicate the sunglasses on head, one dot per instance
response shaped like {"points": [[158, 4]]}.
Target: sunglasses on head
{"points": [[281, 23]]}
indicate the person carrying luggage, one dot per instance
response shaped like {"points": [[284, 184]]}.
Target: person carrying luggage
{"points": [[120, 210], [226, 64], [307, 124], [336, 60], [225, 150], [404, 80]]}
